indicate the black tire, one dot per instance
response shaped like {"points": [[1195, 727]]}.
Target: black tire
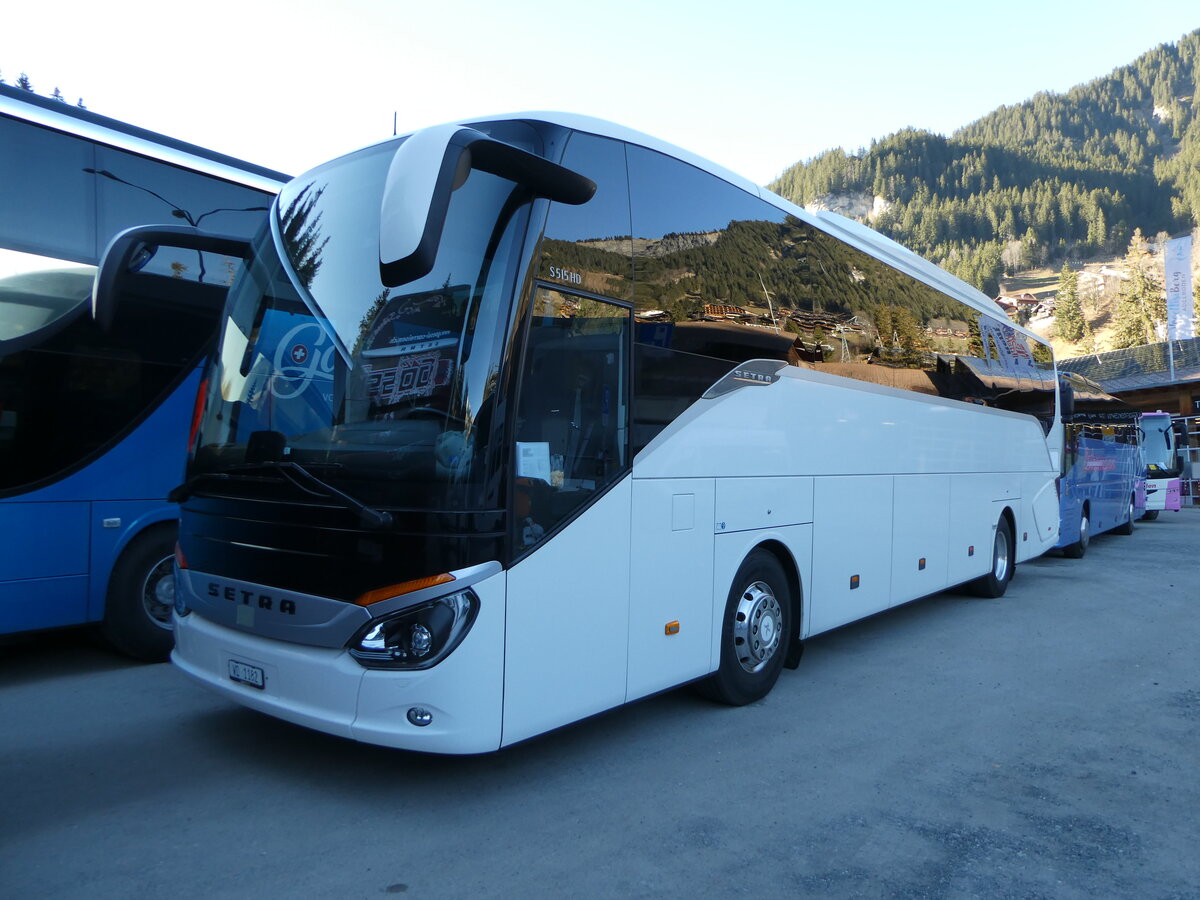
{"points": [[995, 582], [1126, 527], [1150, 515], [1077, 549], [755, 633], [141, 595]]}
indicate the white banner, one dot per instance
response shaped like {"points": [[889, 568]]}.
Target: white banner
{"points": [[1177, 265]]}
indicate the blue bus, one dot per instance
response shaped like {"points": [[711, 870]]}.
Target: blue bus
{"points": [[95, 411], [1101, 487]]}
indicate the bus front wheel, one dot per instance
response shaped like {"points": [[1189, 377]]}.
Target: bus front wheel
{"points": [[141, 595], [755, 632], [995, 582], [1150, 515]]}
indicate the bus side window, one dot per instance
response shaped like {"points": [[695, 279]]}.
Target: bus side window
{"points": [[572, 414]]}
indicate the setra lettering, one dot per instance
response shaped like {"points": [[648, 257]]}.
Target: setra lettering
{"points": [[245, 597]]}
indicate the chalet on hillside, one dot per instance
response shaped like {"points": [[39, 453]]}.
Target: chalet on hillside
{"points": [[718, 311], [947, 328]]}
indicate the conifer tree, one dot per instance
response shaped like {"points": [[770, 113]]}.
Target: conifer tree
{"points": [[1141, 304], [1068, 314], [24, 83]]}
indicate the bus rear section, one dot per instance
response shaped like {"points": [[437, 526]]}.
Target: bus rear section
{"points": [[513, 422], [1101, 488]]}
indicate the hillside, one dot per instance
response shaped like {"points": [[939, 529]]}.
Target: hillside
{"points": [[1060, 177], [1100, 283]]}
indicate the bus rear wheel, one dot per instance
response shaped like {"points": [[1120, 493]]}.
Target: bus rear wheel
{"points": [[1126, 527], [755, 632], [1077, 549], [995, 582], [1150, 515], [141, 596]]}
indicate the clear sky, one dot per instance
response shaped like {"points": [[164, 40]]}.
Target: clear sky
{"points": [[754, 85]]}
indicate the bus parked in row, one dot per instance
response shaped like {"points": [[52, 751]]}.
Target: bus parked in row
{"points": [[1101, 488], [94, 416], [1162, 464], [515, 421]]}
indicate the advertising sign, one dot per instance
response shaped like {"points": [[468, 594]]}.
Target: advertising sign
{"points": [[1177, 262]]}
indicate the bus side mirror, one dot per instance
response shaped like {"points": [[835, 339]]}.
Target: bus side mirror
{"points": [[1066, 400], [129, 251], [433, 163]]}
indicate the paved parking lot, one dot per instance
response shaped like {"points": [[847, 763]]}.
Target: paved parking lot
{"points": [[1042, 745]]}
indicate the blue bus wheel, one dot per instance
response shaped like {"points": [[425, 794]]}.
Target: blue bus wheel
{"points": [[1077, 549], [1126, 527], [141, 592]]}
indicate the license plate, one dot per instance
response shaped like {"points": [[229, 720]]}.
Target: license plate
{"points": [[247, 674]]}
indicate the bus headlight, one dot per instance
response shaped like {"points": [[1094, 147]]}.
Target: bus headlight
{"points": [[418, 637]]}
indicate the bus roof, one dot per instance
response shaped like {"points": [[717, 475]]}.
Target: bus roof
{"points": [[60, 116]]}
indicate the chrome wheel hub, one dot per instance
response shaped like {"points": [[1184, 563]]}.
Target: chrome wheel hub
{"points": [[1002, 550], [158, 592], [757, 627]]}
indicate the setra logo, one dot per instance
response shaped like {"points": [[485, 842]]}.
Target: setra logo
{"points": [[257, 599], [755, 377]]}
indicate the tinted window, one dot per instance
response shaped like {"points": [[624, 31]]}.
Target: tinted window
{"points": [[68, 396], [65, 197], [701, 248], [132, 190], [857, 317], [696, 251], [572, 437], [588, 246], [49, 201]]}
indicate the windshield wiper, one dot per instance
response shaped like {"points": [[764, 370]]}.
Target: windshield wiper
{"points": [[181, 492], [369, 516], [298, 476]]}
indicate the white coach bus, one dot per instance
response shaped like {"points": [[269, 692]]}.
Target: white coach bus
{"points": [[515, 421]]}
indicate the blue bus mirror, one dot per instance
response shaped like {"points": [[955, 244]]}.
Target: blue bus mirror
{"points": [[130, 250], [433, 163]]}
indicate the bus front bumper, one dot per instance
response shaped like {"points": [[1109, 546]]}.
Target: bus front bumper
{"points": [[328, 690]]}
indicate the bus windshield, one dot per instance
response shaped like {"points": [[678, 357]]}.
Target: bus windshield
{"points": [[1158, 444], [387, 392], [35, 299]]}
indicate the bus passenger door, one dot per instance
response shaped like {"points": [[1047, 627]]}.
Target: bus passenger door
{"points": [[568, 594]]}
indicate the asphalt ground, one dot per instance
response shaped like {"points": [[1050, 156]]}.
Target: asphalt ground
{"points": [[1044, 744]]}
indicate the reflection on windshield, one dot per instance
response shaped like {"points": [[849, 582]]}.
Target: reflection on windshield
{"points": [[35, 291], [387, 393], [301, 232]]}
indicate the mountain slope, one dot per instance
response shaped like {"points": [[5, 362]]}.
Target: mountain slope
{"points": [[1058, 176]]}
